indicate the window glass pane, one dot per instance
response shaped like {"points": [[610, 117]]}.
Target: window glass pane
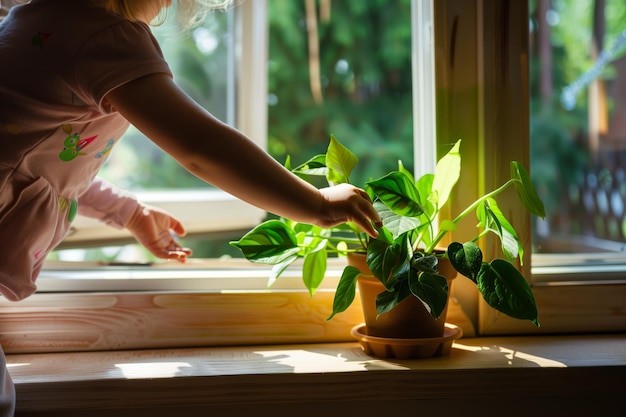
{"points": [[200, 63], [341, 68], [578, 123]]}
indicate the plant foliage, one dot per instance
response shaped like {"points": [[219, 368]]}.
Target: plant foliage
{"points": [[403, 257]]}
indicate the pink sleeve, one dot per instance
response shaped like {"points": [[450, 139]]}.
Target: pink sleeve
{"points": [[106, 202], [114, 56]]}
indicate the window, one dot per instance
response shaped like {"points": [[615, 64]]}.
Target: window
{"points": [[365, 102], [577, 142], [577, 68], [480, 62], [483, 66], [577, 124]]}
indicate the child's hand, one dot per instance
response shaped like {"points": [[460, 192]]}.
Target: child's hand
{"points": [[346, 203], [153, 227]]}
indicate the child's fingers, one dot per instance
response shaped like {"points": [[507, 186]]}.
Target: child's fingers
{"points": [[170, 251], [180, 256], [177, 227]]}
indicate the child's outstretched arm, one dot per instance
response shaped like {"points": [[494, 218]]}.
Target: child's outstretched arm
{"points": [[224, 157]]}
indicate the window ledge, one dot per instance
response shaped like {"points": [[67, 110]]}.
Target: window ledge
{"points": [[543, 374]]}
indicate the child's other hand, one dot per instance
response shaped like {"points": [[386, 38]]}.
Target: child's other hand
{"points": [[153, 227], [346, 203]]}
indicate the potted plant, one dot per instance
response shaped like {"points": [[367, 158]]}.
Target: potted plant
{"points": [[406, 257]]}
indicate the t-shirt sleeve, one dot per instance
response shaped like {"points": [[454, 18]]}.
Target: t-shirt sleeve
{"points": [[118, 54], [106, 202]]}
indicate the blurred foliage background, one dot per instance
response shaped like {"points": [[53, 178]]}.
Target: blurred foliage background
{"points": [[578, 150], [364, 81]]}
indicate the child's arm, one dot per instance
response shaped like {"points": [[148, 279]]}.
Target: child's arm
{"points": [[151, 226], [107, 203], [226, 158]]}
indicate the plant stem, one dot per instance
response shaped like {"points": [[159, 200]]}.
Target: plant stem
{"points": [[467, 211], [338, 239], [481, 234]]}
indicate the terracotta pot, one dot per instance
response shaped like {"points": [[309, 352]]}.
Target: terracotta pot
{"points": [[410, 319]]}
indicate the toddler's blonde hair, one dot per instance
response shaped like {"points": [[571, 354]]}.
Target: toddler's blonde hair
{"points": [[189, 13]]}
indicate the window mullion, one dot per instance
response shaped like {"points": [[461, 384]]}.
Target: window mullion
{"points": [[252, 56], [482, 85]]}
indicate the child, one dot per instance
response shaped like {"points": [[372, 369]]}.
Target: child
{"points": [[74, 74]]}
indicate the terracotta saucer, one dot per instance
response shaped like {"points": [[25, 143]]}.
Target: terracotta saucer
{"points": [[384, 347]]}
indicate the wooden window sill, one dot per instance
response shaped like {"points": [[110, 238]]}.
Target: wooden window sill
{"points": [[566, 375]]}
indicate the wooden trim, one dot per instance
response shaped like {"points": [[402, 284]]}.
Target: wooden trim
{"points": [[503, 38], [505, 117], [457, 116], [549, 375], [568, 308], [143, 320], [140, 320]]}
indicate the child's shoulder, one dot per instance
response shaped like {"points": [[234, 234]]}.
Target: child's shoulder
{"points": [[70, 15], [64, 26]]}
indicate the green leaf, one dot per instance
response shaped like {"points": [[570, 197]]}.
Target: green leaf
{"points": [[424, 187], [400, 274], [311, 238], [424, 184], [315, 166], [346, 290], [505, 289], [432, 290], [447, 225], [393, 222], [526, 191], [314, 270], [402, 168], [492, 219], [279, 268], [340, 162], [388, 300], [425, 263], [385, 258], [466, 258], [447, 173], [399, 193], [271, 242], [385, 235]]}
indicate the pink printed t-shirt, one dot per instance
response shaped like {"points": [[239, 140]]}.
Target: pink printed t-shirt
{"points": [[59, 59]]}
